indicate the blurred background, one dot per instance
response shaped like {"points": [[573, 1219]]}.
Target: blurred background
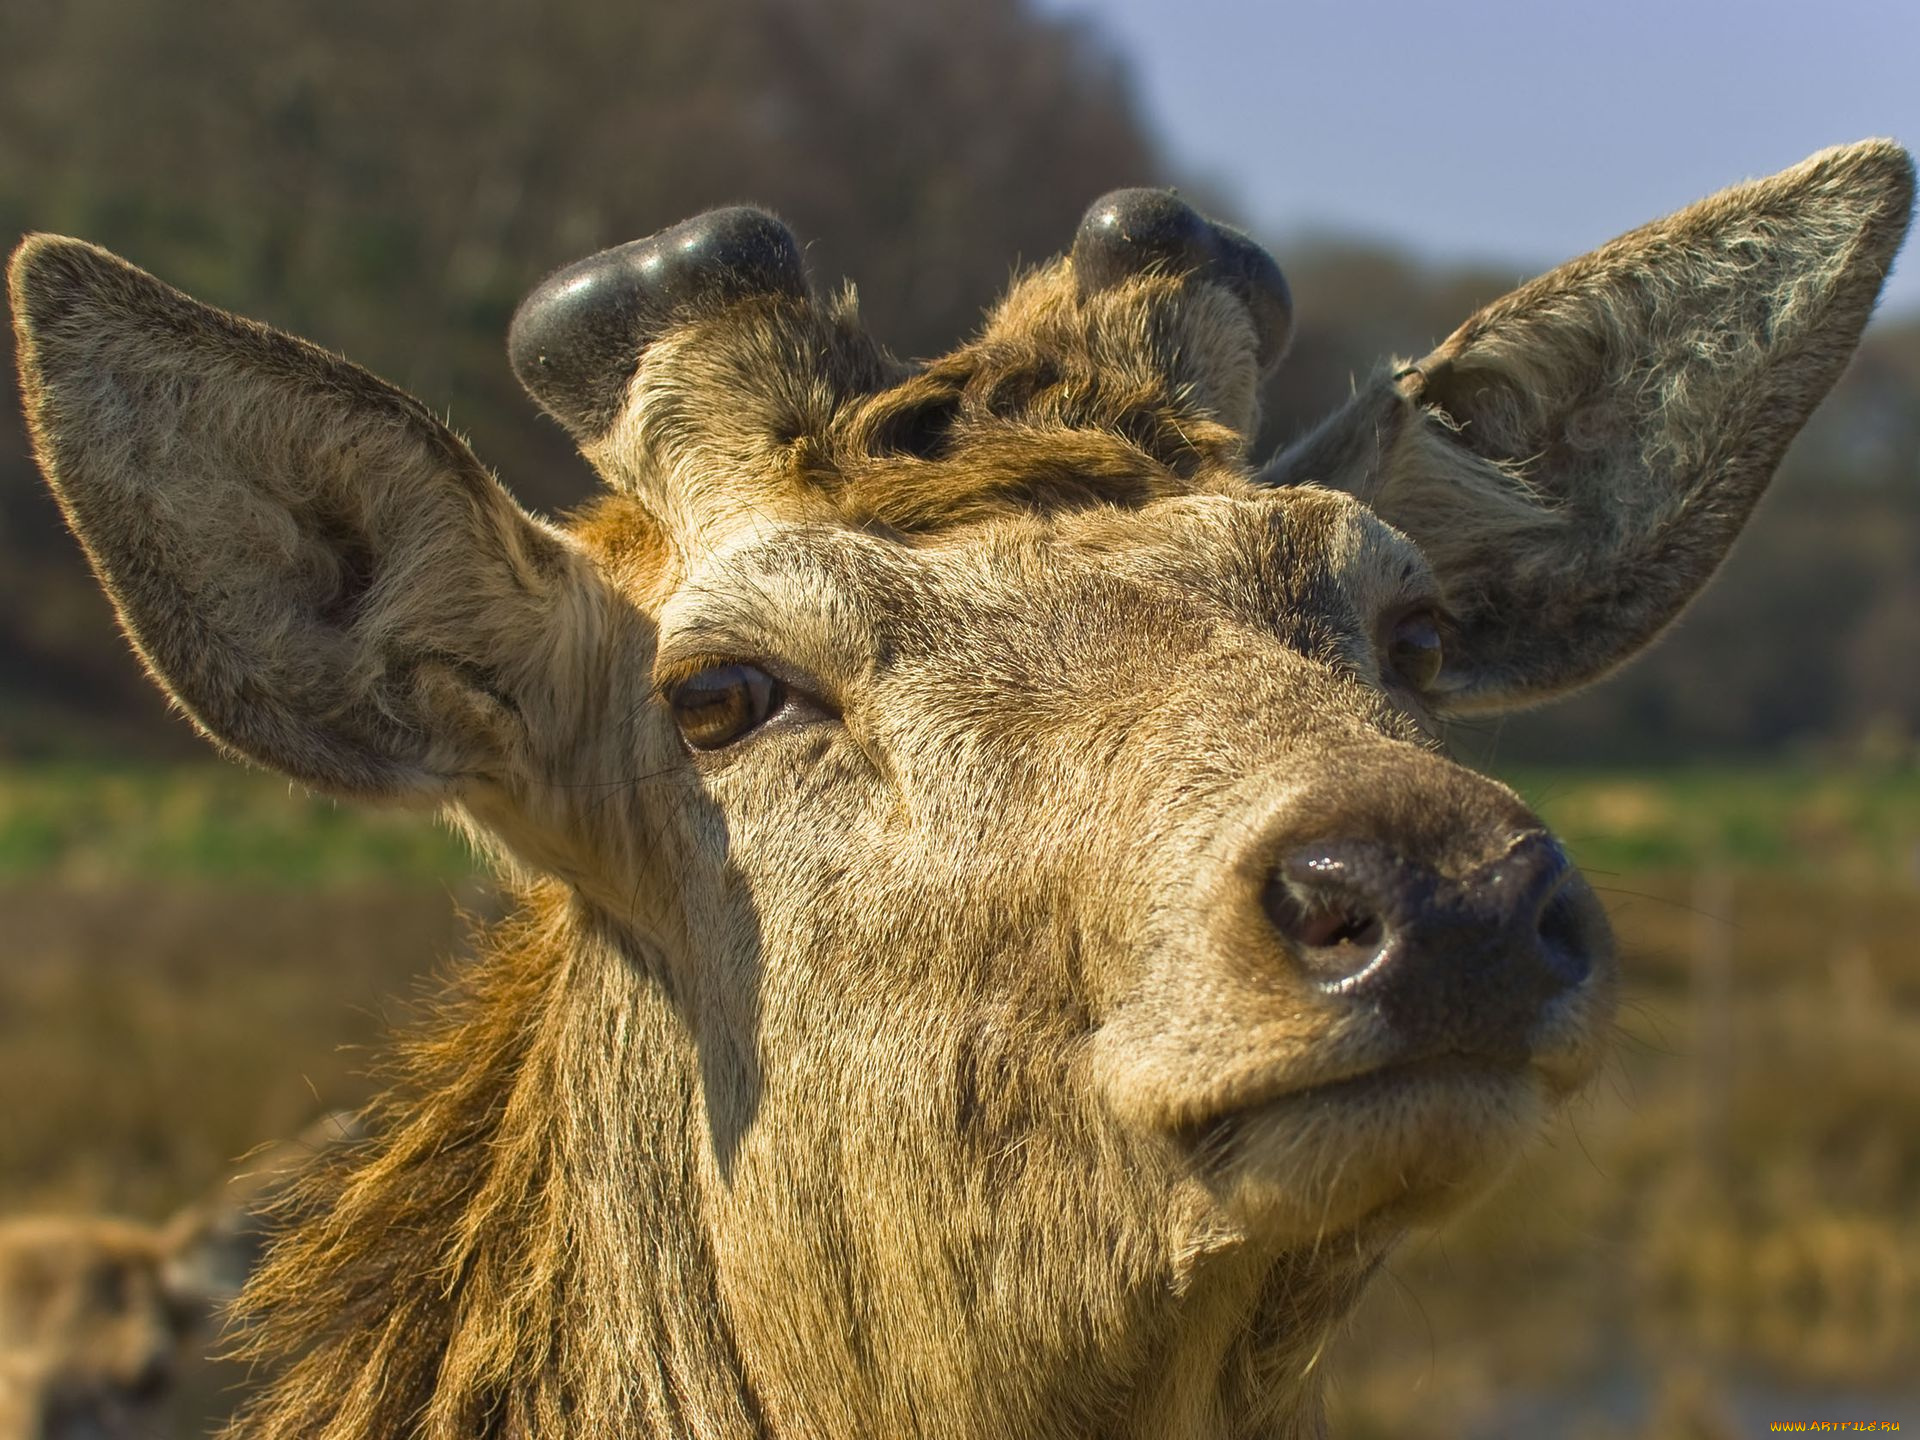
{"points": [[192, 959]]}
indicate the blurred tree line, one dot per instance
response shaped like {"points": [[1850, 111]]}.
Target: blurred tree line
{"points": [[389, 180]]}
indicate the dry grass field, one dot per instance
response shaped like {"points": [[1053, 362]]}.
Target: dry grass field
{"points": [[1723, 1235]]}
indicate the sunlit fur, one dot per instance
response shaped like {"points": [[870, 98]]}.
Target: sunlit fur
{"points": [[924, 1064]]}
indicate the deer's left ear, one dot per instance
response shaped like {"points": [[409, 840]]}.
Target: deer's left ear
{"points": [[316, 568], [1577, 458]]}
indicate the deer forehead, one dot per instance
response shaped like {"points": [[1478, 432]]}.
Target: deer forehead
{"points": [[1310, 567]]}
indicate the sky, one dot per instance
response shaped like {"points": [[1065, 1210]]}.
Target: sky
{"points": [[1515, 131]]}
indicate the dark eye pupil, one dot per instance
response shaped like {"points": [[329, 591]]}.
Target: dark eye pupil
{"points": [[1414, 649], [718, 706]]}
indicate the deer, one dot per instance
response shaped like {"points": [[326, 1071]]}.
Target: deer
{"points": [[98, 1314], [995, 945]]}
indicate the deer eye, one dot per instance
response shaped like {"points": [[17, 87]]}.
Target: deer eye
{"points": [[719, 706], [1414, 652]]}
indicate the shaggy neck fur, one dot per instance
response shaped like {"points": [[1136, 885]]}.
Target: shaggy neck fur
{"points": [[526, 1252]]}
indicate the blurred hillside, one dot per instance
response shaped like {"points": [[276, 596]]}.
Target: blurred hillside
{"points": [[389, 180]]}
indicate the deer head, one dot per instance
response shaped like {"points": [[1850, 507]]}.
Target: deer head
{"points": [[98, 1314], [1001, 952]]}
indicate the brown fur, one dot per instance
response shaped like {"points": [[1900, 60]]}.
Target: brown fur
{"points": [[924, 1064]]}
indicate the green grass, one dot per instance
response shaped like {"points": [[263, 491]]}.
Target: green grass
{"points": [[211, 823], [220, 823], [1848, 826]]}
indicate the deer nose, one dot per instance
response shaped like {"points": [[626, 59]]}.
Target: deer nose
{"points": [[153, 1380], [576, 341], [1130, 232], [1460, 964]]}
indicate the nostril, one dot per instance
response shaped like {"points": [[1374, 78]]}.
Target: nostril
{"points": [[1565, 938], [1340, 927], [153, 1382], [1333, 937]]}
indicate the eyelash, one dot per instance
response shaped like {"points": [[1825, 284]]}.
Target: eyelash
{"points": [[778, 692]]}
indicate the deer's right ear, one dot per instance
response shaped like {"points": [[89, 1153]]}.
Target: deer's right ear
{"points": [[316, 568]]}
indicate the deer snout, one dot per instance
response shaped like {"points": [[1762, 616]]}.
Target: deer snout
{"points": [[153, 1381], [1382, 981], [1451, 964]]}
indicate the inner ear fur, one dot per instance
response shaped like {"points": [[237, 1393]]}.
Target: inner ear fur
{"points": [[316, 568], [1578, 457]]}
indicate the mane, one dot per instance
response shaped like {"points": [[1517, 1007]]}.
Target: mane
{"points": [[504, 1258]]}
